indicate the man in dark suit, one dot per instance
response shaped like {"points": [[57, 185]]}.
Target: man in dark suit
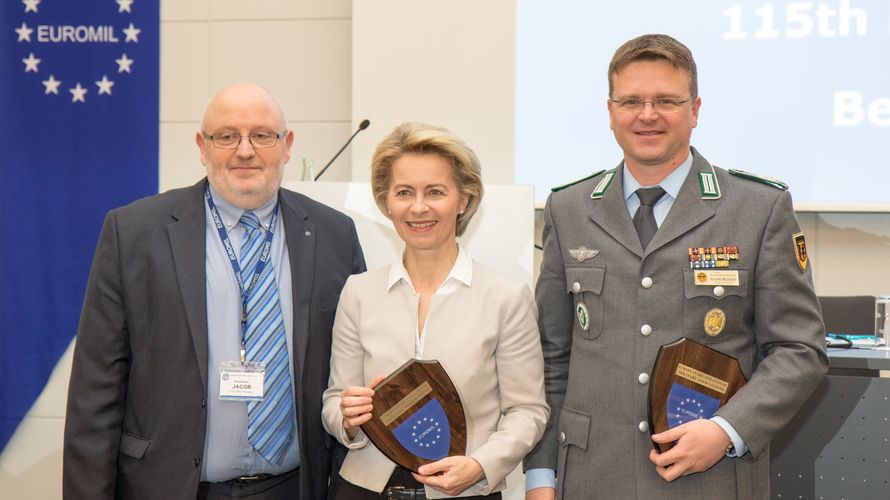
{"points": [[196, 298]]}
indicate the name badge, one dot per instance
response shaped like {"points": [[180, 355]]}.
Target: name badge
{"points": [[711, 278], [241, 381]]}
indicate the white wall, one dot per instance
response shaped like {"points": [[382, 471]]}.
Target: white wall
{"points": [[299, 49], [446, 63]]}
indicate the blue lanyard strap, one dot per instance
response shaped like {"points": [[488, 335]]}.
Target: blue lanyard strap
{"points": [[230, 251]]}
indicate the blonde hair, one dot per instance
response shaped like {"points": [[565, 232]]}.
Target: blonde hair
{"points": [[422, 139]]}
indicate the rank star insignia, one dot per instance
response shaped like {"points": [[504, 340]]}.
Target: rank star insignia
{"points": [[583, 253]]}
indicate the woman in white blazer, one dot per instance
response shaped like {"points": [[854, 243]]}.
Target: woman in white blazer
{"points": [[435, 303]]}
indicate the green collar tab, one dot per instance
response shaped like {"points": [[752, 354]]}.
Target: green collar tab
{"points": [[603, 185], [560, 188], [769, 181], [710, 188]]}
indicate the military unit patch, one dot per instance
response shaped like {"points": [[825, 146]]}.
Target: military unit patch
{"points": [[800, 250]]}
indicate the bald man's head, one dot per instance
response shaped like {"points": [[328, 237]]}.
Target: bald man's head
{"points": [[248, 175]]}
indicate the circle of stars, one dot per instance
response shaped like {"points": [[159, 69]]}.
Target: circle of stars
{"points": [[435, 438], [683, 404], [78, 92]]}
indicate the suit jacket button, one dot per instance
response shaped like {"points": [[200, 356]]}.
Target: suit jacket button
{"points": [[643, 378], [562, 437], [197, 462], [646, 330], [646, 282], [644, 426]]}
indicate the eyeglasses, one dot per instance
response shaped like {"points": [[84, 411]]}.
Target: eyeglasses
{"points": [[258, 139], [664, 105]]}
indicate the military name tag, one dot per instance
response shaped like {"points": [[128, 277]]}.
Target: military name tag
{"points": [[417, 417], [689, 381], [712, 278]]}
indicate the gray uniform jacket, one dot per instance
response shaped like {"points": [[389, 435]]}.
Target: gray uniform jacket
{"points": [[596, 439]]}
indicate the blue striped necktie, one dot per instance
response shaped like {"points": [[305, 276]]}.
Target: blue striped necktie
{"points": [[270, 424]]}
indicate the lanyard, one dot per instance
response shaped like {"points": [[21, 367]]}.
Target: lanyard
{"points": [[233, 260]]}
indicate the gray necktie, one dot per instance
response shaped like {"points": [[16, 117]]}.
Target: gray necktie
{"points": [[644, 219]]}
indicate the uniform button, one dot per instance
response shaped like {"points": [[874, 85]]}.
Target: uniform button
{"points": [[576, 287], [643, 378], [203, 403], [644, 426], [719, 291], [646, 282], [197, 462], [646, 330], [562, 437]]}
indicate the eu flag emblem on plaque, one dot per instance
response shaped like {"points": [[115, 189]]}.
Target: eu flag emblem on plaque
{"points": [[426, 432], [686, 405]]}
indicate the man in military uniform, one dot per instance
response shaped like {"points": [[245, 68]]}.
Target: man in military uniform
{"points": [[666, 246]]}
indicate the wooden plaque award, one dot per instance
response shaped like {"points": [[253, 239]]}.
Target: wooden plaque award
{"points": [[417, 417], [689, 381]]}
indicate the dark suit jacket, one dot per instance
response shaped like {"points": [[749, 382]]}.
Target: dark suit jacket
{"points": [[136, 416]]}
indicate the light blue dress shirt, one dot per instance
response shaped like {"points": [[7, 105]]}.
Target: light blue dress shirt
{"points": [[539, 478], [227, 454]]}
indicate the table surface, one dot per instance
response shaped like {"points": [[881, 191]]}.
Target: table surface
{"points": [[868, 359]]}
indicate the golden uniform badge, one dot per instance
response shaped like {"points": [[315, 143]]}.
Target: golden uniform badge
{"points": [[715, 320]]}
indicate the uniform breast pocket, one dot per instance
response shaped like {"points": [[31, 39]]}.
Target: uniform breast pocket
{"points": [[715, 305], [586, 286]]}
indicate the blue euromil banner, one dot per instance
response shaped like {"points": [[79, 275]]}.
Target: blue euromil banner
{"points": [[79, 134]]}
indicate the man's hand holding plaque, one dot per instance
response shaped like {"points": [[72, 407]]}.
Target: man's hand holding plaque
{"points": [[690, 381]]}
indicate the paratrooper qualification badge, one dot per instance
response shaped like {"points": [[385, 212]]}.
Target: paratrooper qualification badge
{"points": [[582, 253]]}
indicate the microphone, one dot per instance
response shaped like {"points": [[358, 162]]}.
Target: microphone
{"points": [[361, 126]]}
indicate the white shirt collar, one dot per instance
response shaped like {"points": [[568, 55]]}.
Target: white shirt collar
{"points": [[671, 184], [461, 271]]}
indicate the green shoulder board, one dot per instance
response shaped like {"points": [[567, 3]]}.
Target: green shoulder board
{"points": [[591, 176], [769, 181]]}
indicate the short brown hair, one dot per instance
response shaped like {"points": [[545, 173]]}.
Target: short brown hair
{"points": [[655, 48], [422, 139]]}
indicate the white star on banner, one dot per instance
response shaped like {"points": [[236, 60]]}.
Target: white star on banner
{"points": [[52, 85], [78, 93], [31, 63], [24, 33], [132, 33], [124, 6], [31, 5], [123, 64], [104, 85]]}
